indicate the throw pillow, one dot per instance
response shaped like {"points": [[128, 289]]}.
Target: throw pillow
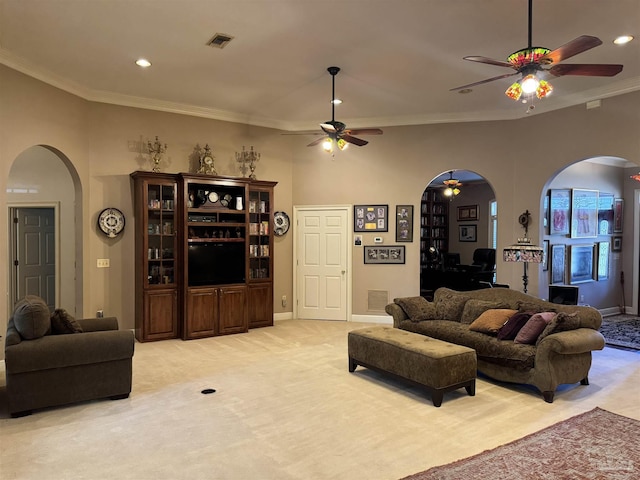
{"points": [[474, 308], [534, 327], [417, 308], [561, 322], [492, 320], [62, 323], [31, 317], [510, 330], [449, 304]]}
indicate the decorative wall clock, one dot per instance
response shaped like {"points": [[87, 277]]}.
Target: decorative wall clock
{"points": [[281, 223], [111, 222]]}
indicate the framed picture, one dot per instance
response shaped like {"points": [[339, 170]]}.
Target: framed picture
{"points": [[584, 213], [467, 233], [357, 240], [392, 254], [545, 213], [617, 215], [468, 212], [616, 246], [605, 214], [559, 208], [603, 261], [558, 253], [404, 223], [581, 263], [370, 218], [545, 255]]}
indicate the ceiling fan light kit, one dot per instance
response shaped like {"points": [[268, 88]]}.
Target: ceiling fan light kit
{"points": [[452, 186]]}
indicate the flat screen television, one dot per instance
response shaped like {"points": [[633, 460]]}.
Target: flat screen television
{"points": [[563, 294], [216, 263]]}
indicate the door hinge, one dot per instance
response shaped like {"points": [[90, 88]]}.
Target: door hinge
{"points": [[16, 263], [15, 219]]}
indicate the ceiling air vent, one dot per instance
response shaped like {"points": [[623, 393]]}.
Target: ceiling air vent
{"points": [[220, 40]]}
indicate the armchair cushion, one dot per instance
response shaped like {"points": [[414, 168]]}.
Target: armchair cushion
{"points": [[62, 322], [31, 317]]}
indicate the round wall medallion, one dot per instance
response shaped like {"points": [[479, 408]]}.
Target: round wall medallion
{"points": [[280, 223], [111, 222]]}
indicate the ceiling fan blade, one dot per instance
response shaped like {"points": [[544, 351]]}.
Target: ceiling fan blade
{"points": [[586, 69], [316, 142], [354, 140], [485, 81], [490, 61], [568, 50], [364, 131], [328, 128], [301, 133]]}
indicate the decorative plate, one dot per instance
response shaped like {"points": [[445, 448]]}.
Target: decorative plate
{"points": [[280, 223], [111, 222]]}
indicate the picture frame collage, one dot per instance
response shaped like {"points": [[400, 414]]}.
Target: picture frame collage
{"points": [[374, 218], [578, 214]]}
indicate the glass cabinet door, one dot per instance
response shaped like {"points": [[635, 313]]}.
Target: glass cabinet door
{"points": [[161, 234], [259, 235]]}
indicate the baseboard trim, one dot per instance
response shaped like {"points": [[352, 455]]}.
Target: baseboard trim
{"points": [[382, 319], [607, 312], [282, 316]]}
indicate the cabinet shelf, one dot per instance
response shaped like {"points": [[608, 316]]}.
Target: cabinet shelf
{"points": [[214, 240], [216, 224]]}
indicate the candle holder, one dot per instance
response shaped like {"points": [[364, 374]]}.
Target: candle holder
{"points": [[156, 150], [247, 161]]}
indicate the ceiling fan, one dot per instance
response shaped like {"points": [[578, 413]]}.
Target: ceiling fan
{"points": [[336, 132], [531, 63]]}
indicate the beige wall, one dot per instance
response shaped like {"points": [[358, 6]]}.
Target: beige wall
{"points": [[101, 143]]}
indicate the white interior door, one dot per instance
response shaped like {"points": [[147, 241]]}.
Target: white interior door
{"points": [[321, 262]]}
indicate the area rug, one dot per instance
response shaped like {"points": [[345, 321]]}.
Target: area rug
{"points": [[594, 445], [621, 331]]}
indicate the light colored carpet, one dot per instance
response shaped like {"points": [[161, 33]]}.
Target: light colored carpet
{"points": [[286, 407]]}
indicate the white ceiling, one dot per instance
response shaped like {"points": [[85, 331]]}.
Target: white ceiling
{"points": [[399, 58]]}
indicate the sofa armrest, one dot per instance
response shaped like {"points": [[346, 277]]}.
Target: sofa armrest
{"points": [[396, 312], [98, 324], [59, 351], [580, 340]]}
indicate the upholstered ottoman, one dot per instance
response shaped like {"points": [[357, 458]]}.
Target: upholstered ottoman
{"points": [[440, 366]]}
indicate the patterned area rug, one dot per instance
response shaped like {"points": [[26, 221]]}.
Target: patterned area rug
{"points": [[594, 445], [621, 331]]}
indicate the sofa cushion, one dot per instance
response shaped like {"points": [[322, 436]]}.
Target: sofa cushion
{"points": [[449, 304], [31, 317], [63, 323], [474, 308], [533, 328], [417, 308], [561, 322], [491, 321], [533, 307], [510, 330]]}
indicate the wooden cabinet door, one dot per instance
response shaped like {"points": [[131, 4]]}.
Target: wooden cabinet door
{"points": [[160, 315], [202, 313], [260, 305], [232, 310]]}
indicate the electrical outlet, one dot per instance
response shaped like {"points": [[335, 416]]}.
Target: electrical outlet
{"points": [[103, 263], [284, 300]]}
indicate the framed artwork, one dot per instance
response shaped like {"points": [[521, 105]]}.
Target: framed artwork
{"points": [[545, 213], [617, 215], [404, 223], [581, 263], [584, 213], [357, 240], [468, 212], [467, 233], [603, 261], [558, 253], [392, 254], [616, 246], [545, 255], [605, 214], [559, 208], [370, 218]]}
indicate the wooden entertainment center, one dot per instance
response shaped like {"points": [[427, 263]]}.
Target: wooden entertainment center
{"points": [[203, 253]]}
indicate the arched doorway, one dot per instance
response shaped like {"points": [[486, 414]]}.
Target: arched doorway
{"points": [[454, 228], [43, 177]]}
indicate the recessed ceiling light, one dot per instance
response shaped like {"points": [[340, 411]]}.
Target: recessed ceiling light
{"points": [[143, 62], [622, 39]]}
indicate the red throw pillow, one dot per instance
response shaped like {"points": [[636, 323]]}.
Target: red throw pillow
{"points": [[510, 330]]}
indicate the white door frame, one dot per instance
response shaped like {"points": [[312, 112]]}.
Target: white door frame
{"points": [[349, 236], [11, 247], [636, 252]]}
